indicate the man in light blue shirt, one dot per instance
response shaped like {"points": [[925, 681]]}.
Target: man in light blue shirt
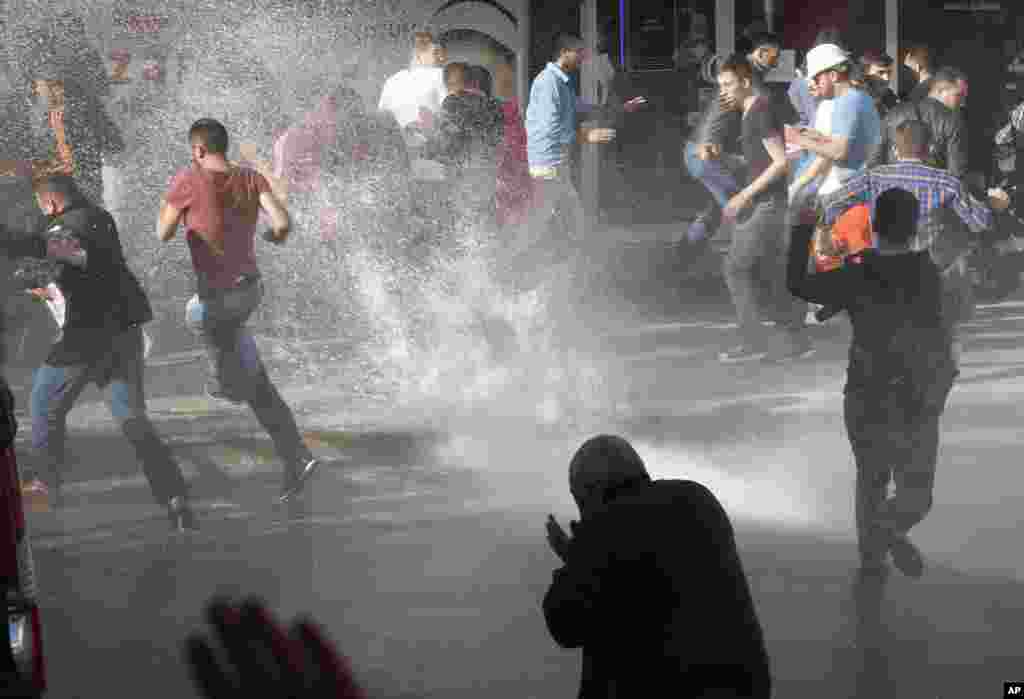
{"points": [[551, 133]]}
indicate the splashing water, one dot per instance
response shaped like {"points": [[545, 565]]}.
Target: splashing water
{"points": [[436, 322]]}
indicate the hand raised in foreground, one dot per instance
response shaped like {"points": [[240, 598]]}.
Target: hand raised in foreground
{"points": [[253, 655]]}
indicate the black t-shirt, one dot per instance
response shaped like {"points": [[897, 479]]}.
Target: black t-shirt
{"points": [[759, 123]]}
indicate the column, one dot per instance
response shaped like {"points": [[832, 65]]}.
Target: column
{"points": [[589, 187], [892, 39]]}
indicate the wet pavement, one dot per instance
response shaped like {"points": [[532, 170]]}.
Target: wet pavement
{"points": [[421, 545]]}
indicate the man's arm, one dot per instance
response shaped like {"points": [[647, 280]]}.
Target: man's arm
{"points": [[833, 147], [976, 214], [167, 222], [859, 189], [280, 222], [825, 288], [956, 148], [572, 599]]}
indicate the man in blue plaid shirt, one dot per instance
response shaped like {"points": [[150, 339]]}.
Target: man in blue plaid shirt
{"points": [[948, 216]]}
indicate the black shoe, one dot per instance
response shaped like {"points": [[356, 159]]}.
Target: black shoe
{"points": [[906, 556], [182, 518], [293, 487]]}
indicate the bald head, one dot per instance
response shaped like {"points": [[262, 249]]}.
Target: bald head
{"points": [[603, 464]]}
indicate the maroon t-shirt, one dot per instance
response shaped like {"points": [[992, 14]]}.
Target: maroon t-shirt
{"points": [[225, 205]]}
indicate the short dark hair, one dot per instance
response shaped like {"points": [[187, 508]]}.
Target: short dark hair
{"points": [[738, 65], [63, 185], [761, 40], [949, 74], [567, 42], [896, 212], [482, 78], [211, 133], [913, 139]]}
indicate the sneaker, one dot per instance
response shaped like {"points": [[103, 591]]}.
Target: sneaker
{"points": [[741, 353], [906, 556], [183, 520], [215, 392], [292, 488]]}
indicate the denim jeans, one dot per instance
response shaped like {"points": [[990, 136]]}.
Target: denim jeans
{"points": [[235, 363], [755, 272], [716, 175], [55, 390], [893, 436]]}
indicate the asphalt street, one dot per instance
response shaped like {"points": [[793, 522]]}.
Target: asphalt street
{"points": [[421, 548]]}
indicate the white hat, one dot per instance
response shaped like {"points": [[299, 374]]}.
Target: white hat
{"points": [[824, 57]]}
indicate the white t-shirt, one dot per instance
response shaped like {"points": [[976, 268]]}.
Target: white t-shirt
{"points": [[408, 90], [823, 124]]}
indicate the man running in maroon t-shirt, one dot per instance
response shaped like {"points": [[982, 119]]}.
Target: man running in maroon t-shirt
{"points": [[219, 203]]}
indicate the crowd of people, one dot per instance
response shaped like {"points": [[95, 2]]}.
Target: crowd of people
{"points": [[845, 195]]}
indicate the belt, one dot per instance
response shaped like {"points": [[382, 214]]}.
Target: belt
{"points": [[546, 172]]}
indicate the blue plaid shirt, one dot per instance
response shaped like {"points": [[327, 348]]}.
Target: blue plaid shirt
{"points": [[938, 192]]}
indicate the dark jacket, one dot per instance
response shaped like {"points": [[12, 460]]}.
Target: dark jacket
{"points": [[103, 296], [655, 594], [949, 135], [470, 129], [900, 339]]}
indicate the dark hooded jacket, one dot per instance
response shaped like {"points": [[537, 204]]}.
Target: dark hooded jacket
{"points": [[103, 297], [655, 594]]}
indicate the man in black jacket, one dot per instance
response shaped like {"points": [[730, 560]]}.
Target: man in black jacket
{"points": [[940, 112], [900, 374], [652, 586], [101, 341]]}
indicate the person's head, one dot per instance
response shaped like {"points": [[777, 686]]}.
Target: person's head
{"points": [[600, 468], [479, 78], [949, 86], [736, 78], [919, 60], [912, 140], [209, 141], [828, 66], [425, 50], [896, 212], [765, 51], [568, 52], [455, 77], [877, 65], [56, 193]]}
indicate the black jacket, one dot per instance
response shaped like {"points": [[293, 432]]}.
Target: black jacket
{"points": [[949, 135], [895, 302], [655, 594], [102, 295]]}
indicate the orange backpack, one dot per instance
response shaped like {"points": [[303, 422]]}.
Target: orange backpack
{"points": [[850, 234]]}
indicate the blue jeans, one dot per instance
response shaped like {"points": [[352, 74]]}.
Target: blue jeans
{"points": [[715, 175], [55, 390], [220, 318]]}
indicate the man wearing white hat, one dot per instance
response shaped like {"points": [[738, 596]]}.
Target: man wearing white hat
{"points": [[856, 128]]}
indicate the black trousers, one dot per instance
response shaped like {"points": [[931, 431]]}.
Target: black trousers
{"points": [[894, 433]]}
